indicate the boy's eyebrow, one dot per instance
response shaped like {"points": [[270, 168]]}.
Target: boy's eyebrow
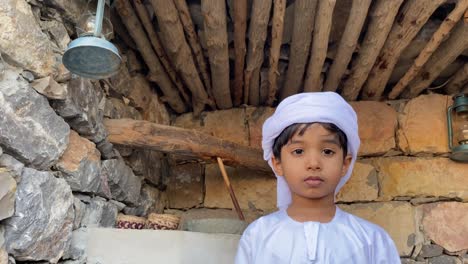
{"points": [[333, 140]]}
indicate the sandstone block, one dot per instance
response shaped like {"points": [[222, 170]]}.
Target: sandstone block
{"points": [[362, 186], [255, 119], [123, 184], [185, 186]]}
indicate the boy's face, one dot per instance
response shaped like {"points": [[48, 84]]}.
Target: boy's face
{"points": [[312, 164]]}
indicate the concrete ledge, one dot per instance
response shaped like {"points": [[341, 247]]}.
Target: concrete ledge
{"points": [[120, 246]]}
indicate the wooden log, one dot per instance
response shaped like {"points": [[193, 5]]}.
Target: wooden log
{"points": [[192, 37], [240, 27], [348, 43], [304, 15], [382, 15], [458, 80], [129, 18], [413, 15], [156, 43], [257, 36], [173, 40], [318, 52], [430, 47], [185, 142], [121, 30], [214, 21], [276, 38], [448, 51]]}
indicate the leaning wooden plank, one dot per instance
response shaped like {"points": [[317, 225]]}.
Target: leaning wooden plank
{"points": [[450, 49], [192, 37], [173, 40], [348, 43], [186, 142], [381, 16], [240, 27], [304, 14], [214, 21], [459, 79], [257, 36], [413, 15], [431, 46], [146, 21], [318, 52], [276, 38], [129, 18]]}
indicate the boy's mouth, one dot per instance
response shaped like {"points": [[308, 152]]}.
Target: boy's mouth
{"points": [[313, 181]]}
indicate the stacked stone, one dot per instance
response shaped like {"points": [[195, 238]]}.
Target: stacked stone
{"points": [[403, 179]]}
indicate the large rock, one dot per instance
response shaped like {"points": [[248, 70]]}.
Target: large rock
{"points": [[362, 186], [71, 10], [157, 112], [150, 202], [42, 225], [446, 224], [124, 185], [397, 218], [22, 41], [27, 120], [13, 165], [83, 109], [185, 186], [421, 177], [116, 108], [7, 194], [254, 190], [225, 124], [58, 32], [3, 253], [422, 118], [81, 164], [78, 245], [99, 213], [80, 210], [147, 163], [377, 124]]}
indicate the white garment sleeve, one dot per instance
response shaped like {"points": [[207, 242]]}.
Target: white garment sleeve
{"points": [[244, 251], [384, 249]]}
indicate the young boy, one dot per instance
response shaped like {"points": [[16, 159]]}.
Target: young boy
{"points": [[311, 142]]}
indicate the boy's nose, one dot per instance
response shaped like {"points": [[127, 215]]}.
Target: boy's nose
{"points": [[313, 163]]}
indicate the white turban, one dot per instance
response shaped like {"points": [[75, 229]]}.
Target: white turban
{"points": [[325, 107]]}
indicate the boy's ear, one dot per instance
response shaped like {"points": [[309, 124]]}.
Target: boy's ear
{"points": [[277, 166], [346, 162]]}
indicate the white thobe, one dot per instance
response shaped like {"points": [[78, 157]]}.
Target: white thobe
{"points": [[277, 238]]}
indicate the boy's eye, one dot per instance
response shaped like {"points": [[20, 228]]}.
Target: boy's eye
{"points": [[298, 151], [328, 152]]}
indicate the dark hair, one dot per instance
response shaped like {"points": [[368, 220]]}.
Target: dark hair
{"points": [[300, 129]]}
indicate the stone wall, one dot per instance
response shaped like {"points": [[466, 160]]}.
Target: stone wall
{"points": [[403, 180]]}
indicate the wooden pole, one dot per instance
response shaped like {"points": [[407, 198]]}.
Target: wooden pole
{"points": [[304, 14], [240, 27], [257, 36], [171, 95], [381, 16], [348, 43], [276, 38], [230, 189], [430, 47], [457, 81], [413, 15], [214, 21], [318, 52]]}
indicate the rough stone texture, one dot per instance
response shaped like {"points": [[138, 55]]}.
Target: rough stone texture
{"points": [[58, 33], [377, 123], [148, 203], [121, 81], [83, 109], [26, 120], [141, 94], [205, 213], [116, 108], [254, 190], [446, 224], [107, 150], [42, 224], [255, 119], [401, 176], [362, 186], [79, 241], [423, 118], [7, 194], [220, 225], [124, 185], [225, 124], [48, 87], [432, 250], [99, 213], [157, 112], [80, 164], [21, 40], [397, 218], [185, 186], [80, 209], [11, 164], [411, 261], [147, 163], [3, 253], [444, 259], [71, 10]]}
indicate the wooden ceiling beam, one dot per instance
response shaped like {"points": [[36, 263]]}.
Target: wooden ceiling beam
{"points": [[457, 81], [240, 28]]}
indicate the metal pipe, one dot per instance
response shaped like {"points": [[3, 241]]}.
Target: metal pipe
{"points": [[99, 18]]}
